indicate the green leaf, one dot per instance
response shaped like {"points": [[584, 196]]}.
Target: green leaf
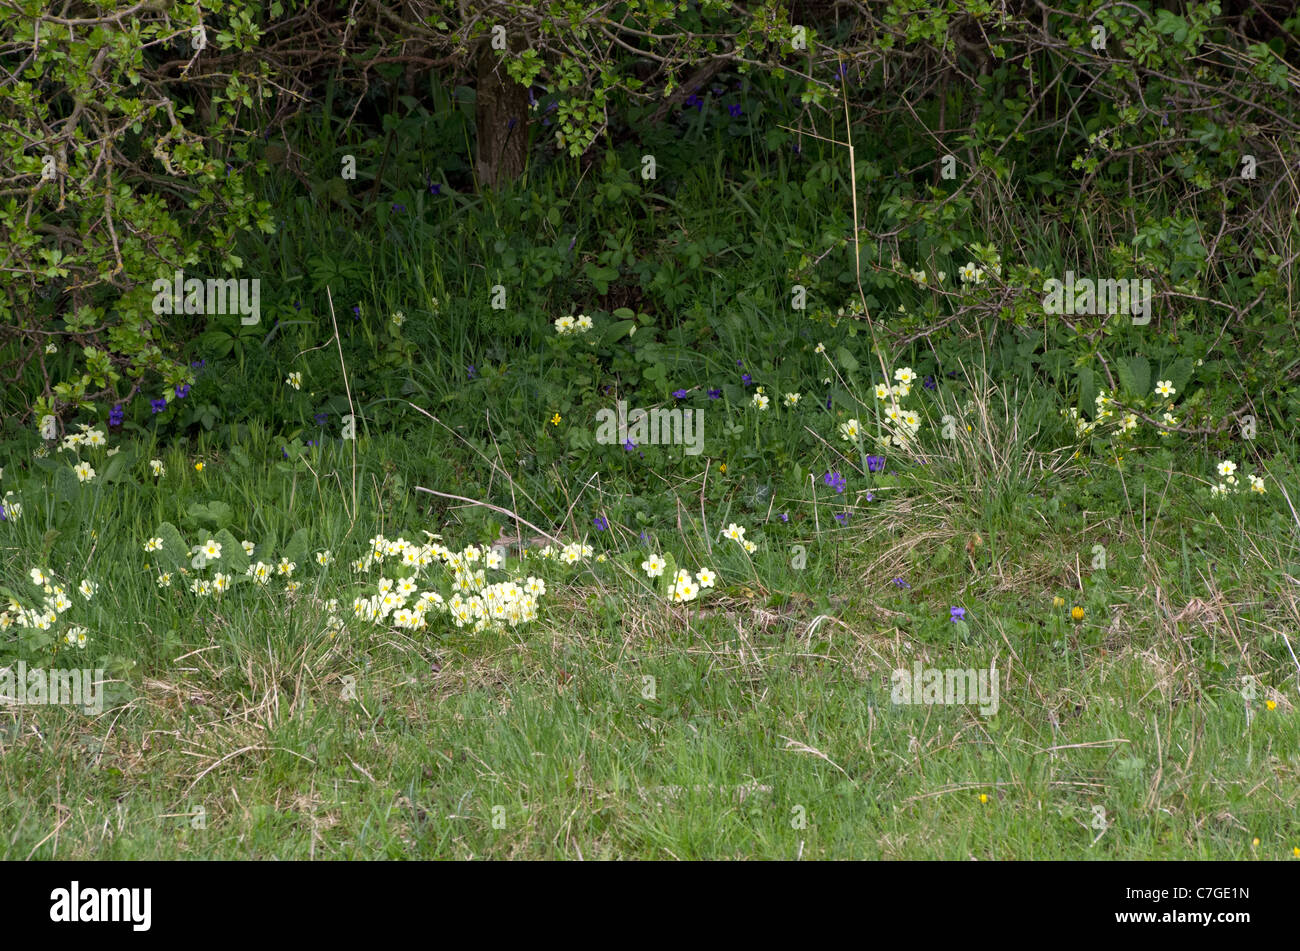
{"points": [[47, 543], [1134, 376], [66, 485], [617, 330], [1180, 373], [234, 560], [175, 553], [296, 549], [846, 360], [118, 465], [669, 575], [1087, 390], [265, 551], [215, 513]]}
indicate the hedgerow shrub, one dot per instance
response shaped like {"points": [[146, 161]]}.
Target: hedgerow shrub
{"points": [[1154, 144]]}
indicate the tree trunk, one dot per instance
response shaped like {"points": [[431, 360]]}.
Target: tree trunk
{"points": [[501, 117]]}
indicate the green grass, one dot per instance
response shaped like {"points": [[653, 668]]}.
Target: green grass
{"points": [[765, 728], [757, 720]]}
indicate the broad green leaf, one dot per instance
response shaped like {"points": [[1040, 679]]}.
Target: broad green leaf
{"points": [[296, 548], [175, 553], [1087, 390], [234, 560]]}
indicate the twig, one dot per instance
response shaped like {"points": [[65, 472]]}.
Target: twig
{"points": [[496, 508]]}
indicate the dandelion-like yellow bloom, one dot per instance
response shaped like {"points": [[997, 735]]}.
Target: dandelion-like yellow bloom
{"points": [[1077, 613], [555, 420]]}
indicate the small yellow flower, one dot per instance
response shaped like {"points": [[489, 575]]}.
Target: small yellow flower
{"points": [[722, 468], [198, 467], [984, 797], [1271, 704], [1296, 851], [1058, 602], [555, 420], [1076, 612], [1254, 842]]}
